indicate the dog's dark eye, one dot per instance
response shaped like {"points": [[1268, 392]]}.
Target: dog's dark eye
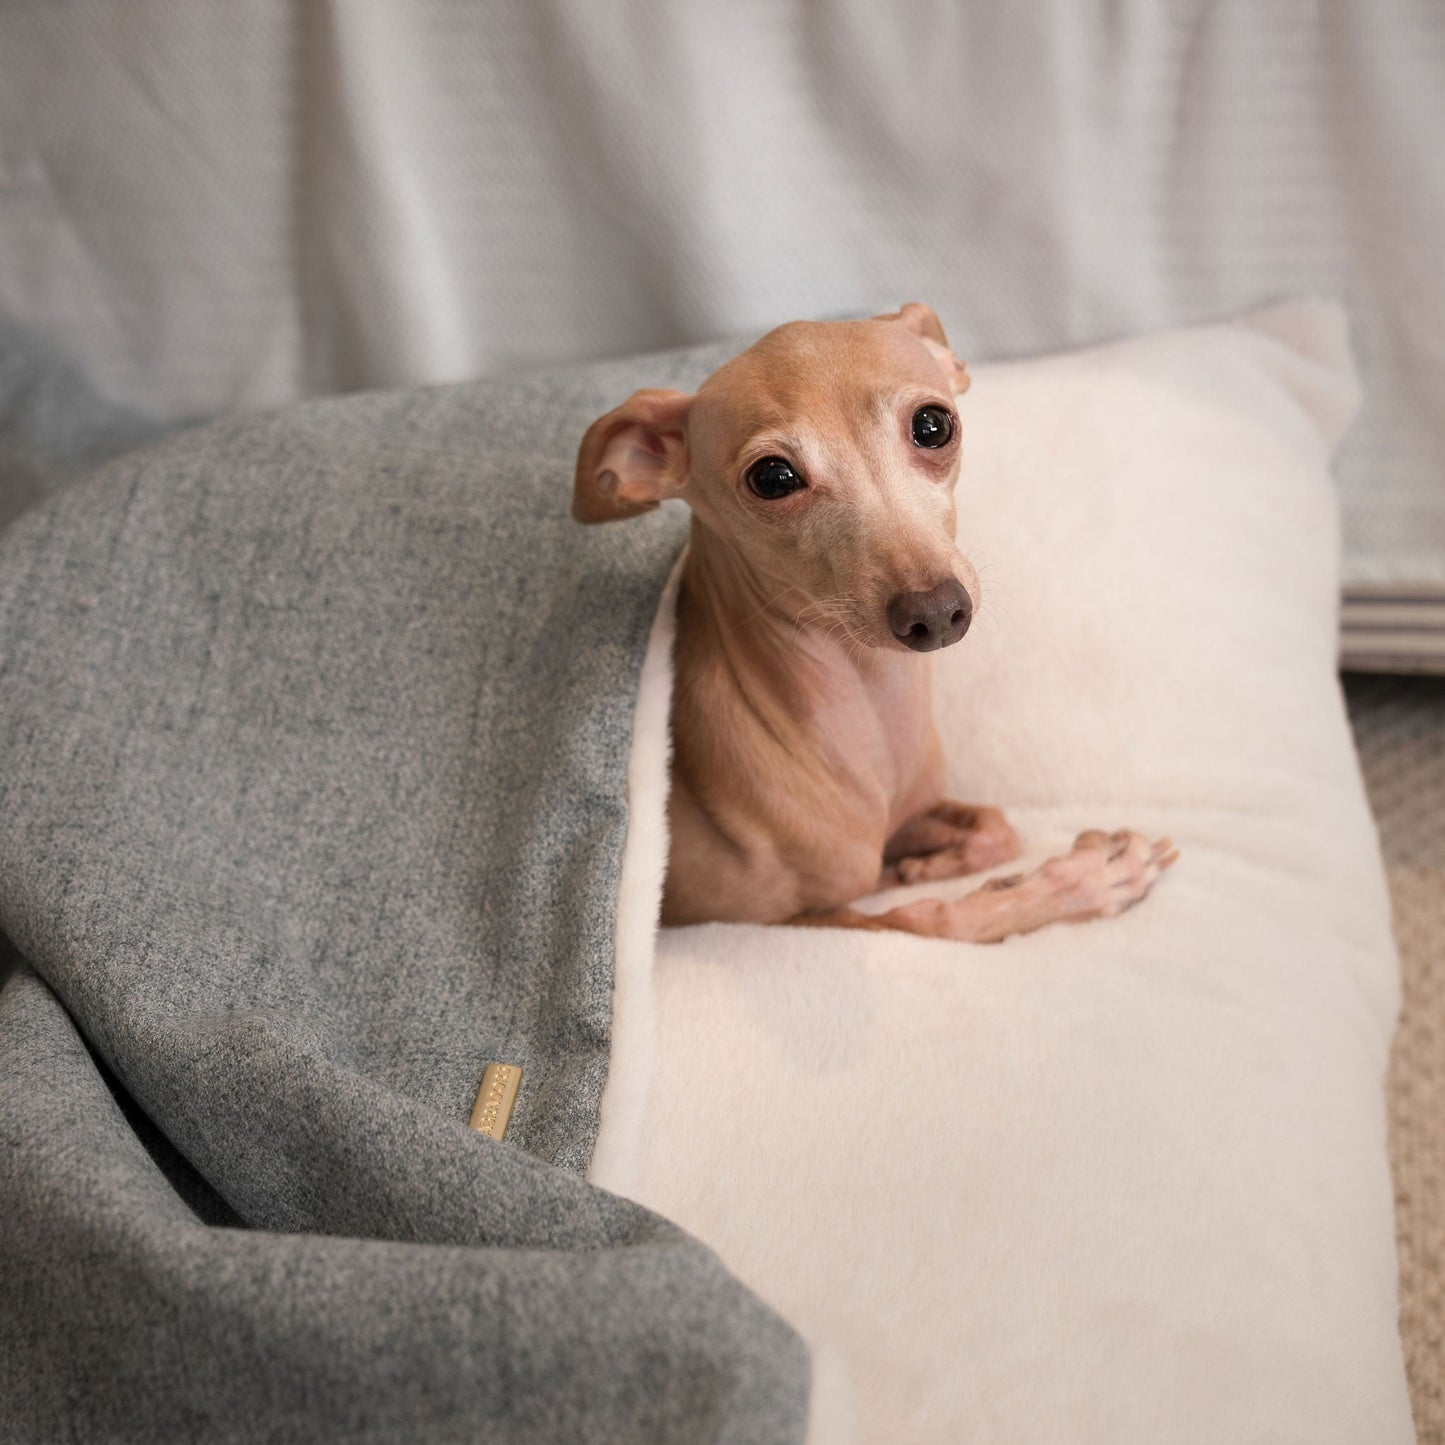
{"points": [[932, 427], [773, 478]]}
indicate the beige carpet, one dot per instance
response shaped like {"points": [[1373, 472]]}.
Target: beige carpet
{"points": [[1400, 728]]}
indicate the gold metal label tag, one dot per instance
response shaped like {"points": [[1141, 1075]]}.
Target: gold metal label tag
{"points": [[495, 1098]]}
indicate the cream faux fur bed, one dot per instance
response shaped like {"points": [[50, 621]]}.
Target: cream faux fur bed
{"points": [[1117, 1182]]}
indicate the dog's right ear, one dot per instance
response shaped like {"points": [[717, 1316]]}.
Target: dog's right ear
{"points": [[923, 322], [633, 457]]}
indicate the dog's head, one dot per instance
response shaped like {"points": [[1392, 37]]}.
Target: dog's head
{"points": [[825, 456]]}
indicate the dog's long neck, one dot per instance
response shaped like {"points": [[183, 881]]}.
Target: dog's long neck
{"points": [[752, 649]]}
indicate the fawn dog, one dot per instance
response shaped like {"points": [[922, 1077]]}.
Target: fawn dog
{"points": [[819, 466]]}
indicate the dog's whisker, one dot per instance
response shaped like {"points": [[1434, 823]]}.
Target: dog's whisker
{"points": [[825, 611], [762, 608]]}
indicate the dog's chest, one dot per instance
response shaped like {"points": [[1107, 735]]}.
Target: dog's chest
{"points": [[876, 734]]}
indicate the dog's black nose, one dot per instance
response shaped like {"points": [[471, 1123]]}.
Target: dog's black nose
{"points": [[928, 620]]}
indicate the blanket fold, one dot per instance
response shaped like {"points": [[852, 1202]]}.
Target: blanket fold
{"points": [[312, 799]]}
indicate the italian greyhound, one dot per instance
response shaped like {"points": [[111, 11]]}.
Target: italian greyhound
{"points": [[806, 770]]}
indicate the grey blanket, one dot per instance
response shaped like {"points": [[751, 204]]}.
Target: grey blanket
{"points": [[313, 732]]}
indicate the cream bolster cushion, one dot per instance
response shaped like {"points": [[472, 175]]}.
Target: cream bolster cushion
{"points": [[1124, 1181]]}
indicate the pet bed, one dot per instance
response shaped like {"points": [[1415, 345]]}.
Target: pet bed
{"points": [[318, 796]]}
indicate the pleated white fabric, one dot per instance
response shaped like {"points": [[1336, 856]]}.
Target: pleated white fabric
{"points": [[223, 207]]}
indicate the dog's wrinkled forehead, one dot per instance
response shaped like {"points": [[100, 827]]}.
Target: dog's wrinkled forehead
{"points": [[816, 378]]}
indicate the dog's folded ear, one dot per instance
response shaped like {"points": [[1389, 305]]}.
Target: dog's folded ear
{"points": [[633, 457], [923, 322]]}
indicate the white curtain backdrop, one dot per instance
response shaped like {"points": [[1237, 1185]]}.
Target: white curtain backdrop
{"points": [[220, 206]]}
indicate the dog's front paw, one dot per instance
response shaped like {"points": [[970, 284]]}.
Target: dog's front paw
{"points": [[949, 841], [988, 837], [1104, 874]]}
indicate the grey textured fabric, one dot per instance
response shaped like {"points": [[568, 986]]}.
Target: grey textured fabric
{"points": [[313, 732], [54, 428]]}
